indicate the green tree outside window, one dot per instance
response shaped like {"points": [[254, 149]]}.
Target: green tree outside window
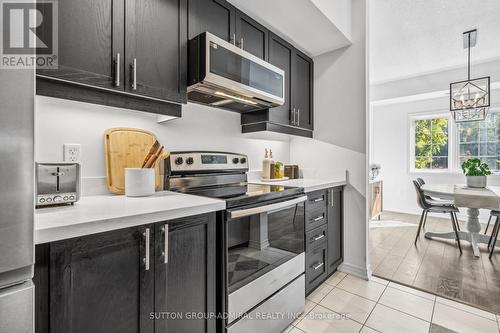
{"points": [[431, 143]]}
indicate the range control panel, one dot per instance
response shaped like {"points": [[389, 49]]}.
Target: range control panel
{"points": [[180, 162]]}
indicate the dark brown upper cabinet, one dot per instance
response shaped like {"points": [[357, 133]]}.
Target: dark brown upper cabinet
{"points": [[122, 53], [295, 116], [251, 36], [89, 44], [154, 53], [214, 16], [302, 84], [225, 21], [281, 55]]}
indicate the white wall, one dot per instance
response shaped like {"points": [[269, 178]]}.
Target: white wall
{"points": [[339, 144], [391, 144], [200, 128]]}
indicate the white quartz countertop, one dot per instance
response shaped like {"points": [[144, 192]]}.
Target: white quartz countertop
{"points": [[94, 214], [308, 184]]}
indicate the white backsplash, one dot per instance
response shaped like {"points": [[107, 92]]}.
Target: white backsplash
{"points": [[61, 121]]}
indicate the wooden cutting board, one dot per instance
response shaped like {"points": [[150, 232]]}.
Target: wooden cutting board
{"points": [[126, 148]]}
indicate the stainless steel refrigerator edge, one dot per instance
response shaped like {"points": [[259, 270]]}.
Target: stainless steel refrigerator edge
{"points": [[16, 200]]}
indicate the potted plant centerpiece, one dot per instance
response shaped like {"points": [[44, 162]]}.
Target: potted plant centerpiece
{"points": [[476, 172]]}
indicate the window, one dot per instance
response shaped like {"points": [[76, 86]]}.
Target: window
{"points": [[480, 139], [438, 143], [430, 143]]}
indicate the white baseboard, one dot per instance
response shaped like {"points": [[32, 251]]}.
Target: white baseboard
{"points": [[355, 270]]}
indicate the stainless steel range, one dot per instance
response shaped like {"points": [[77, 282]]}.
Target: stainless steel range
{"points": [[260, 240]]}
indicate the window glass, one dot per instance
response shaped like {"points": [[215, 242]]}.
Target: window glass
{"points": [[480, 139], [431, 143]]}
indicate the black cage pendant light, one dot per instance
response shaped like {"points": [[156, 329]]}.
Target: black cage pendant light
{"points": [[470, 99]]}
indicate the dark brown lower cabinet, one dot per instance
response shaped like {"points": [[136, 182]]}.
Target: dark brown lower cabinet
{"points": [[324, 240], [119, 281]]}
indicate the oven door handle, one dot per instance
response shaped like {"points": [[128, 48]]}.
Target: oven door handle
{"points": [[234, 214]]}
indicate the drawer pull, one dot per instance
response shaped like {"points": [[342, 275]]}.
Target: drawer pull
{"points": [[318, 266], [319, 218], [319, 199], [317, 238]]}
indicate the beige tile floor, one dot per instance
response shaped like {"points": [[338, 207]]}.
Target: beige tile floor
{"points": [[345, 303]]}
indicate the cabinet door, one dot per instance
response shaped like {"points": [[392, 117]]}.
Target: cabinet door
{"points": [[91, 34], [335, 229], [251, 36], [302, 82], [214, 16], [156, 49], [103, 283], [281, 55], [185, 274]]}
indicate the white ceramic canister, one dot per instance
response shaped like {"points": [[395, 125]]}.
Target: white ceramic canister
{"points": [[139, 182]]}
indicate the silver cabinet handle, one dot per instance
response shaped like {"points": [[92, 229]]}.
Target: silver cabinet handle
{"points": [[318, 266], [317, 238], [146, 234], [298, 117], [133, 69], [58, 174], [234, 39], [331, 197], [319, 199], [241, 43], [293, 116], [165, 243], [117, 70], [319, 218]]}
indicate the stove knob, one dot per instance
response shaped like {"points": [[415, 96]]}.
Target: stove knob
{"points": [[189, 160], [243, 160], [235, 160], [179, 161], [57, 198]]}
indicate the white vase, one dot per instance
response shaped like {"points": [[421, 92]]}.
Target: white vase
{"points": [[476, 181]]}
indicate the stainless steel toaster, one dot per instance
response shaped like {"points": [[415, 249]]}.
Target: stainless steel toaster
{"points": [[57, 183]]}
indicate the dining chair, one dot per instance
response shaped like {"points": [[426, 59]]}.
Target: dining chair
{"points": [[430, 199], [492, 214], [494, 232], [431, 206]]}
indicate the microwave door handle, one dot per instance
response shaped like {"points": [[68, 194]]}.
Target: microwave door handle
{"points": [[234, 214]]}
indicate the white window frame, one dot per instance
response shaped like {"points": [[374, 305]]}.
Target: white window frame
{"points": [[452, 152]]}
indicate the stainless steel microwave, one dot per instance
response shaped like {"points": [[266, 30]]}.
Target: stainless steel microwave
{"points": [[225, 76]]}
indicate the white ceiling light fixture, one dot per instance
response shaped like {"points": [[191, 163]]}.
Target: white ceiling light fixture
{"points": [[470, 99]]}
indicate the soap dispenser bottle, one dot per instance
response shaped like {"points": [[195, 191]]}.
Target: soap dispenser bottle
{"points": [[266, 164]]}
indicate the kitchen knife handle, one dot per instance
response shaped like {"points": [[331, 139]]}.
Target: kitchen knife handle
{"points": [[133, 69], [165, 243], [117, 70], [146, 235]]}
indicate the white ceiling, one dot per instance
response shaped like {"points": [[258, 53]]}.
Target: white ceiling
{"points": [[314, 26], [414, 37]]}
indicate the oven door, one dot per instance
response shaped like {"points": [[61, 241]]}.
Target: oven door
{"points": [[270, 256]]}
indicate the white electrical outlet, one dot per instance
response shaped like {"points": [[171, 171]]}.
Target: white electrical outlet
{"points": [[72, 152]]}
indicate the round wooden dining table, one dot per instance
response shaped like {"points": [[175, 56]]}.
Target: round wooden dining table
{"points": [[479, 199]]}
